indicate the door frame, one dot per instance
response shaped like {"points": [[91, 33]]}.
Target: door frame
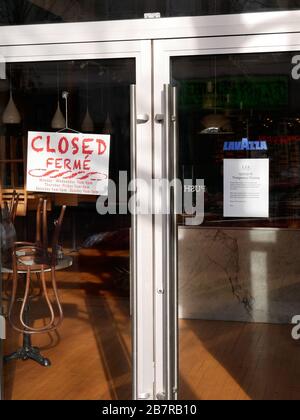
{"points": [[142, 228], [151, 42], [151, 29], [167, 303]]}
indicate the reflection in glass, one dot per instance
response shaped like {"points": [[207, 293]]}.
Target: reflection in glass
{"points": [[225, 99], [22, 12], [95, 290], [239, 283]]}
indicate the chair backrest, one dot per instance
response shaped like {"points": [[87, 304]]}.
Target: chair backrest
{"points": [[16, 197], [58, 225], [42, 228], [10, 205], [40, 218], [14, 206]]}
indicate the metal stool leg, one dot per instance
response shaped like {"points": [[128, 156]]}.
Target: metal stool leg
{"points": [[28, 352]]}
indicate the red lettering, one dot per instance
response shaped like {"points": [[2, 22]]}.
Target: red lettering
{"points": [[86, 147], [68, 164], [75, 145], [77, 164], [36, 149], [49, 162], [58, 164], [101, 147], [49, 150], [63, 145], [87, 165]]}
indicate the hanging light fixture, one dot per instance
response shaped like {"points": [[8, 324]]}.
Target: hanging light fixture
{"points": [[58, 122], [214, 123], [88, 123], [11, 114], [108, 127], [209, 98]]}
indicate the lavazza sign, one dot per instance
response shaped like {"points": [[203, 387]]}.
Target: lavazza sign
{"points": [[245, 145]]}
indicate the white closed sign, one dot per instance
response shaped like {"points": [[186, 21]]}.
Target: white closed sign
{"points": [[68, 163]]}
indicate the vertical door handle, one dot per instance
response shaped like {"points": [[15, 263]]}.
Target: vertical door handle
{"points": [[170, 164], [176, 196], [133, 239]]}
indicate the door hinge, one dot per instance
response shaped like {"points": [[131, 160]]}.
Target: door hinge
{"points": [[2, 328]]}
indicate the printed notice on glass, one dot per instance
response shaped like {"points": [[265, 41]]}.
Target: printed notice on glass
{"points": [[68, 163], [246, 188]]}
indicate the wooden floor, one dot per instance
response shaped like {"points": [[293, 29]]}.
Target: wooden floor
{"points": [[233, 361], [91, 356]]}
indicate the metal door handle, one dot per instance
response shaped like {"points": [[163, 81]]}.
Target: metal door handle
{"points": [[170, 164], [133, 244]]}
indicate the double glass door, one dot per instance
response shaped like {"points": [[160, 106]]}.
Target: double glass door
{"points": [[207, 308]]}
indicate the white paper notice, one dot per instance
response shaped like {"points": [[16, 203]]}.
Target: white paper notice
{"points": [[246, 188], [68, 163]]}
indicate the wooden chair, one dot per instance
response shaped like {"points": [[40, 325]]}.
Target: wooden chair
{"points": [[10, 206], [10, 196]]}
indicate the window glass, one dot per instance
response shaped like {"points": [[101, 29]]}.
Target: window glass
{"points": [[225, 99], [238, 283], [86, 255]]}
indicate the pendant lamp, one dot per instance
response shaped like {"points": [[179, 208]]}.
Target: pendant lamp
{"points": [[58, 121], [215, 123], [88, 123], [108, 127], [11, 114]]}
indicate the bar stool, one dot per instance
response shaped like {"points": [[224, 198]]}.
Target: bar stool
{"points": [[29, 260]]}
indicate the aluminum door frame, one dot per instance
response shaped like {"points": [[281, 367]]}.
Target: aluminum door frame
{"points": [[286, 21], [142, 228], [163, 51]]}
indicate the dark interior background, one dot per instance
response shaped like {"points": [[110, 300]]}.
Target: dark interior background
{"points": [[103, 87], [259, 98], [22, 12]]}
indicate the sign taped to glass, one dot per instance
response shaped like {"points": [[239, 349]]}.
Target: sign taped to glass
{"points": [[68, 163], [246, 188]]}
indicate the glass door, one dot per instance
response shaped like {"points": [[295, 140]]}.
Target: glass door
{"points": [[231, 274], [53, 100]]}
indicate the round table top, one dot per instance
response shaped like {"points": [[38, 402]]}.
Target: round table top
{"points": [[62, 264]]}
